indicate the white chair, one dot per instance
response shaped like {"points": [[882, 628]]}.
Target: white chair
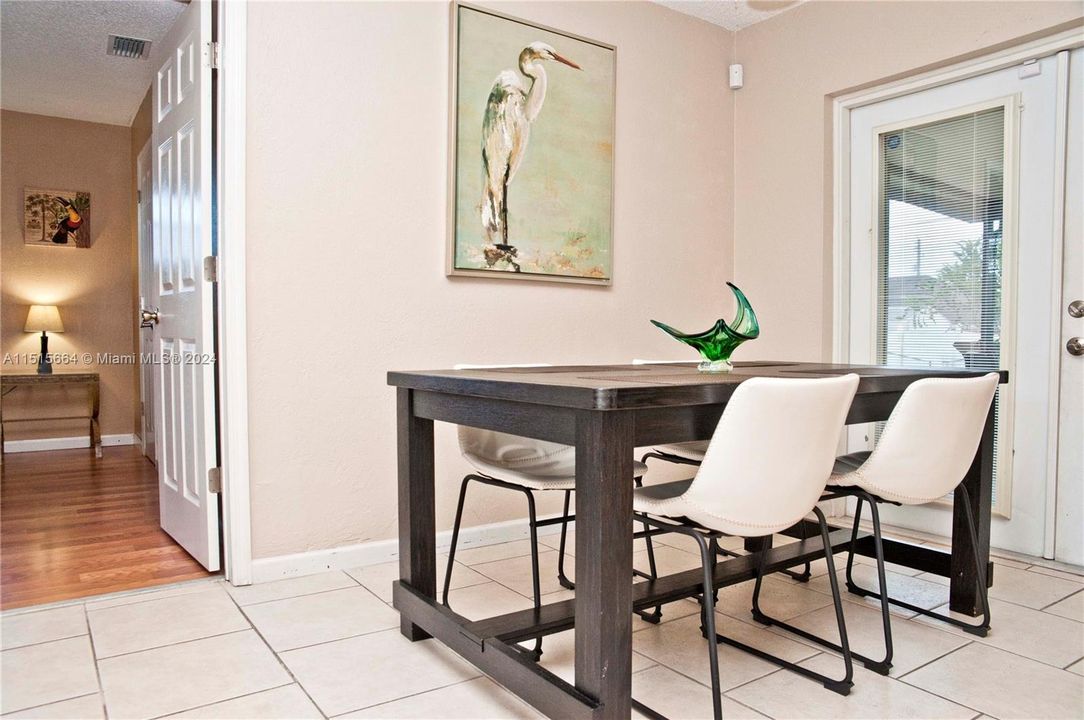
{"points": [[764, 471], [924, 452], [525, 465]]}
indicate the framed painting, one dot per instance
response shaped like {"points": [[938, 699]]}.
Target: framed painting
{"points": [[56, 218], [532, 150]]}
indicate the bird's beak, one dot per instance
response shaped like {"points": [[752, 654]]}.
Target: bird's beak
{"points": [[566, 61]]}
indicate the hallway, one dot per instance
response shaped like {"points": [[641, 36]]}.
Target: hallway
{"points": [[75, 526]]}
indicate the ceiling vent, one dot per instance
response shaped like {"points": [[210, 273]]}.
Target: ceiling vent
{"points": [[127, 47]]}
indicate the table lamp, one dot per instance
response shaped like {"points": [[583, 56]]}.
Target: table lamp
{"points": [[44, 319]]}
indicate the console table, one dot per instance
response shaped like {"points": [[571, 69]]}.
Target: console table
{"points": [[11, 382]]}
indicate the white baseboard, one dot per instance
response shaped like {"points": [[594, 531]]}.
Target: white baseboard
{"points": [[371, 553], [67, 443]]}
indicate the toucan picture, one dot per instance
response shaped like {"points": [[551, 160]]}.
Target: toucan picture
{"points": [[56, 218], [72, 222]]}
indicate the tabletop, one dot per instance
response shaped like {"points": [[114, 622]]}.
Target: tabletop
{"points": [[615, 387]]}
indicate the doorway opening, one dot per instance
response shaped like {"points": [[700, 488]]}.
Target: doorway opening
{"points": [[109, 479]]}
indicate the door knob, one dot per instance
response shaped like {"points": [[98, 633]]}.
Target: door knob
{"points": [[1075, 346], [148, 318], [1076, 308]]}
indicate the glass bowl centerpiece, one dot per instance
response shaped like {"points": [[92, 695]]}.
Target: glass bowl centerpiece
{"points": [[718, 343]]}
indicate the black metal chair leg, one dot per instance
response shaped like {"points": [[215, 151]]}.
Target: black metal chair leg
{"points": [[886, 620], [455, 539], [535, 579], [805, 574], [982, 628], [707, 620], [841, 686], [561, 577], [652, 617]]}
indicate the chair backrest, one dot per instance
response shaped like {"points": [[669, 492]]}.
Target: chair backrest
{"points": [[930, 439], [527, 455], [771, 455]]}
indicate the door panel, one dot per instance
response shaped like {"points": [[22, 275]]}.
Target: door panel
{"points": [[1069, 524], [184, 335], [1024, 236]]}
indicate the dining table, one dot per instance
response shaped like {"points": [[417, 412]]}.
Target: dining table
{"points": [[606, 412]]}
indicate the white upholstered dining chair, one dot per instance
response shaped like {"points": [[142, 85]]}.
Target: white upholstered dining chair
{"points": [[525, 465], [764, 471], [923, 454]]}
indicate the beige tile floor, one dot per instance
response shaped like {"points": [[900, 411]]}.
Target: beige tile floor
{"points": [[328, 645]]}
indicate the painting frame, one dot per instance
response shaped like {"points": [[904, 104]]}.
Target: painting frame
{"points": [[453, 152], [38, 200]]}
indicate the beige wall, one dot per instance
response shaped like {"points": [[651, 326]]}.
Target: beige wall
{"points": [[347, 184], [794, 62], [92, 287]]}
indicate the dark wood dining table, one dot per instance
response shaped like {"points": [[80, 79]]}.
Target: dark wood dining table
{"points": [[606, 411]]}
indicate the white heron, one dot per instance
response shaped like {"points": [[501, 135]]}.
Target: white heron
{"points": [[510, 110]]}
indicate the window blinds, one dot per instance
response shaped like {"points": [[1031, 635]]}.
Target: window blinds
{"points": [[940, 240]]}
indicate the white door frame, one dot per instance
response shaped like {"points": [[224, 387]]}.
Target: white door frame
{"points": [[232, 324], [842, 106]]}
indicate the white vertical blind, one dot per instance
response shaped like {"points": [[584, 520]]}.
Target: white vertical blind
{"points": [[940, 240]]}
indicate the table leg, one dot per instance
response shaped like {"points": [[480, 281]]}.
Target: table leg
{"points": [[417, 520], [979, 481], [604, 448], [95, 407]]}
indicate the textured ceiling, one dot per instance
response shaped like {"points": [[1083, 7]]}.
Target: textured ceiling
{"points": [[53, 59], [731, 14]]}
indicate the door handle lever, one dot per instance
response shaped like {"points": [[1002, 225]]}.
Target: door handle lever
{"points": [[148, 318]]}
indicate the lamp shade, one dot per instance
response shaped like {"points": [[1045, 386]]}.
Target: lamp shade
{"points": [[43, 318]]}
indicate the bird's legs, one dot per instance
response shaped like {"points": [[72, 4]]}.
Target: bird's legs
{"points": [[509, 251]]}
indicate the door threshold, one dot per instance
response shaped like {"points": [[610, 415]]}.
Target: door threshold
{"points": [[120, 597]]}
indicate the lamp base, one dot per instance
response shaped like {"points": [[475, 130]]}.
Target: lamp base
{"points": [[45, 367]]}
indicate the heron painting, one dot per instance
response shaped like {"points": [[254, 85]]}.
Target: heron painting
{"points": [[532, 187]]}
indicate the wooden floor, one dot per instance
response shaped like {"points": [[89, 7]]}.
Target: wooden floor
{"points": [[72, 525]]}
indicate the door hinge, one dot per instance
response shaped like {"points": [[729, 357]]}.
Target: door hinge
{"points": [[214, 55], [210, 268], [139, 197], [214, 480]]}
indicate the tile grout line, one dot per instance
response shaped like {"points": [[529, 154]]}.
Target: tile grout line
{"points": [[902, 679], [354, 584], [94, 659], [236, 697], [173, 644], [426, 692], [278, 658], [1072, 594], [51, 702]]}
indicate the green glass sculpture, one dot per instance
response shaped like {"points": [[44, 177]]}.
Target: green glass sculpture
{"points": [[719, 343]]}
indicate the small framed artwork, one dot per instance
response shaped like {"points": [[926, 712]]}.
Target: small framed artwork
{"points": [[56, 218], [532, 151]]}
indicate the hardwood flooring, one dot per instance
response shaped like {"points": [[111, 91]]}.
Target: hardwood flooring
{"points": [[72, 525]]}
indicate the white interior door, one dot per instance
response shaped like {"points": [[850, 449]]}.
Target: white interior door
{"points": [[184, 375], [952, 250], [1069, 512], [147, 279]]}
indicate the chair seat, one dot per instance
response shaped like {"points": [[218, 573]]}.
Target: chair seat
{"points": [[690, 450], [535, 482], [847, 473], [656, 499]]}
